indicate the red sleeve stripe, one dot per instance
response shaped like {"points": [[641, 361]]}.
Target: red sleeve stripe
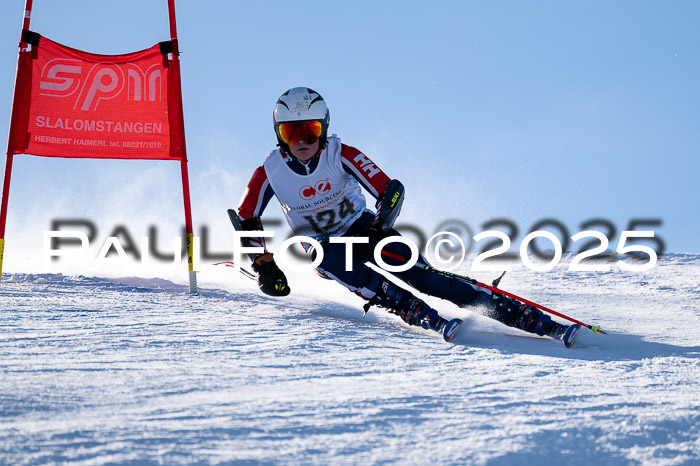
{"points": [[258, 242], [364, 170], [254, 198]]}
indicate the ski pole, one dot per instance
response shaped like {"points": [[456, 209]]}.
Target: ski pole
{"points": [[595, 328], [246, 273]]}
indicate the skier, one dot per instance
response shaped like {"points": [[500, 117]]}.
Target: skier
{"points": [[317, 180]]}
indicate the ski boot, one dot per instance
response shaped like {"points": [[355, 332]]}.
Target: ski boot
{"points": [[412, 310], [448, 328], [546, 326], [564, 333], [525, 317]]}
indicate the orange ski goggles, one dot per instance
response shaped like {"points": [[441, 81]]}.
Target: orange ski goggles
{"points": [[307, 131]]}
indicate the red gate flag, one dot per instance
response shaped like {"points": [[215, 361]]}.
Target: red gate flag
{"points": [[70, 103]]}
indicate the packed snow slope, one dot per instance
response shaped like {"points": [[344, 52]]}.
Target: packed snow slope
{"points": [[99, 370]]}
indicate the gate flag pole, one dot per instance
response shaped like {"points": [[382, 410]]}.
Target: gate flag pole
{"points": [[24, 98], [10, 146], [183, 162]]}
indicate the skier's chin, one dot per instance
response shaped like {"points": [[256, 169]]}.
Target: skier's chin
{"points": [[303, 154], [304, 151]]}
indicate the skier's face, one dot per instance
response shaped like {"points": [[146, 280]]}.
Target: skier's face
{"points": [[303, 150]]}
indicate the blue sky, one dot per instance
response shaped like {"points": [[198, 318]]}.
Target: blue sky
{"points": [[485, 110]]}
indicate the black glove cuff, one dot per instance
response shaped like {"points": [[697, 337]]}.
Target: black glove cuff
{"points": [[265, 267]]}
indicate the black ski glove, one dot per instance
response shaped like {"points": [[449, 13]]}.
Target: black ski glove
{"points": [[375, 231], [271, 279]]}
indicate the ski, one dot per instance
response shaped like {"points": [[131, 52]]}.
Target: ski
{"points": [[594, 328], [570, 335], [450, 329]]}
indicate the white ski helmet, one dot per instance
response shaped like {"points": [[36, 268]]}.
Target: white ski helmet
{"points": [[301, 104]]}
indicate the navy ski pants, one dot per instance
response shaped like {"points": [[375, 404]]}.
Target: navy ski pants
{"points": [[365, 281]]}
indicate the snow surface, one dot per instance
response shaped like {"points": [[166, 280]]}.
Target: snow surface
{"points": [[96, 370]]}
